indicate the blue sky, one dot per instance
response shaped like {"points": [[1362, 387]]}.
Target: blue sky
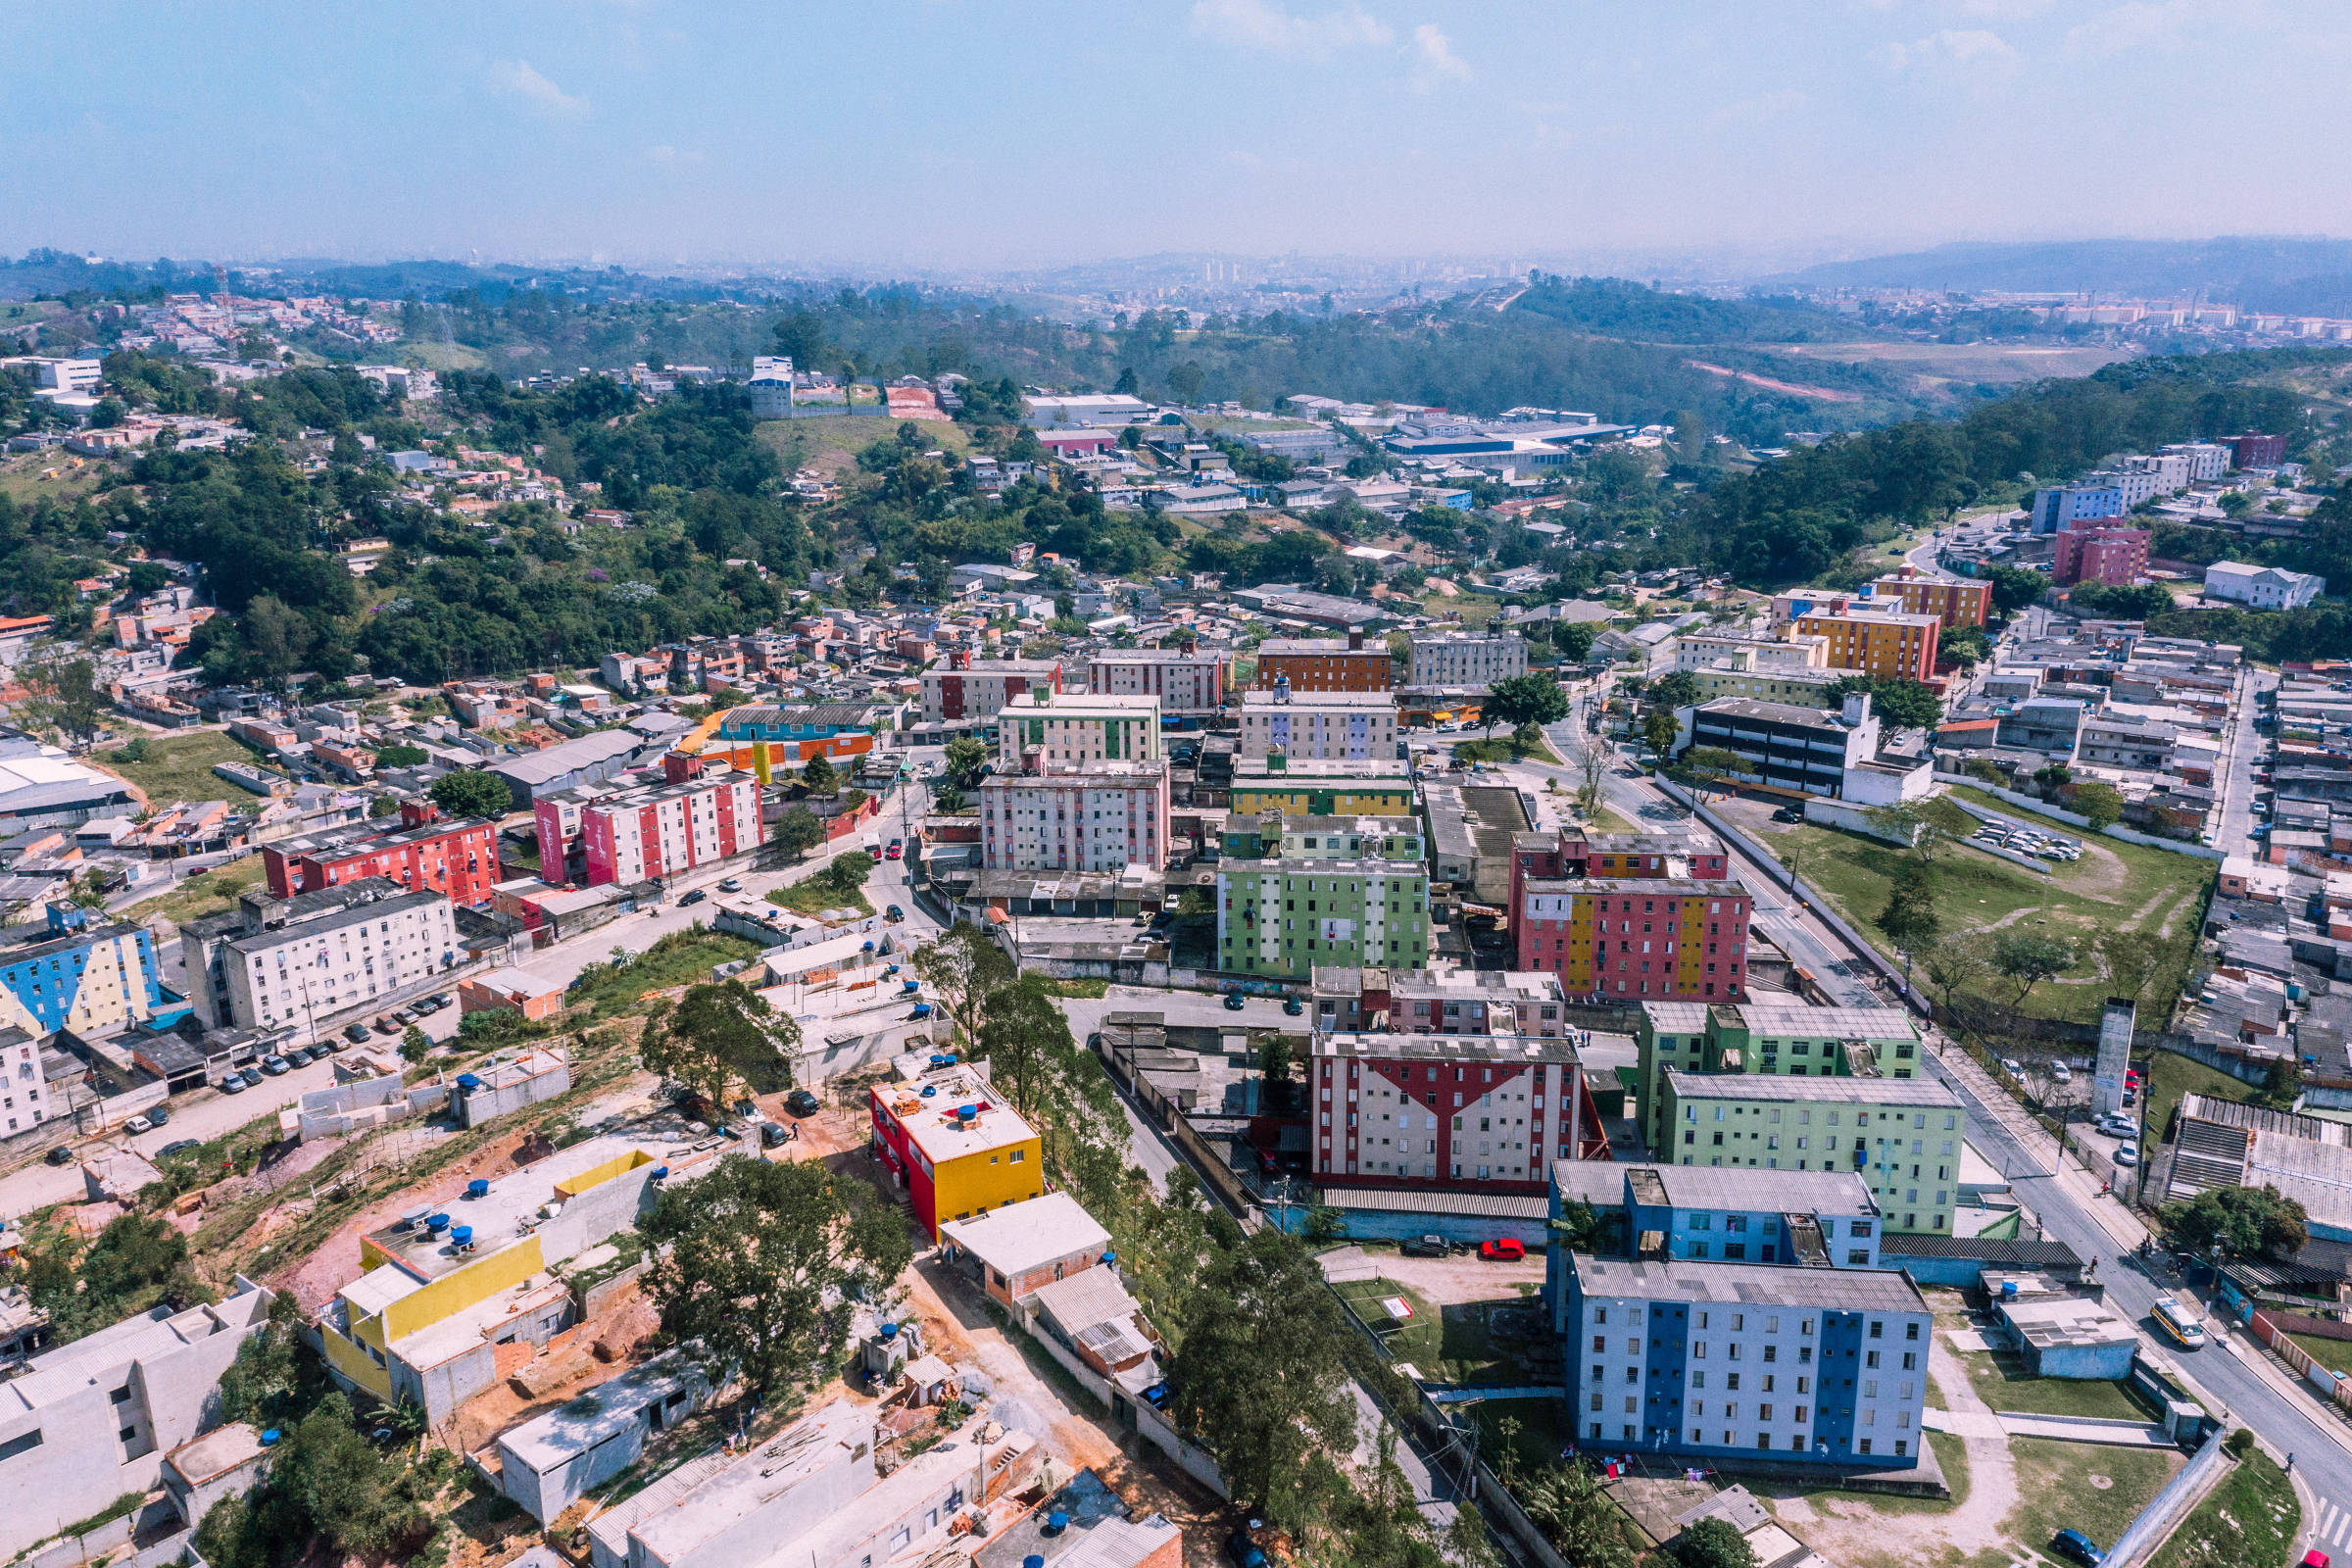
{"points": [[945, 135]]}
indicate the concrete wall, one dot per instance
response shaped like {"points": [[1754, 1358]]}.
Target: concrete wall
{"points": [[490, 1102]]}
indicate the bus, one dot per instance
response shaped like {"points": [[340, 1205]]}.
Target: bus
{"points": [[2180, 1323]]}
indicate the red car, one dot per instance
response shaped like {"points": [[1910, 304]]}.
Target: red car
{"points": [[897, 848], [2315, 1558], [1509, 1250]]}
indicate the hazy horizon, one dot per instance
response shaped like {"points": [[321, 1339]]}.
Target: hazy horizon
{"points": [[964, 139]]}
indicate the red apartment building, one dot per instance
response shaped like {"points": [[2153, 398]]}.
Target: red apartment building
{"points": [[1570, 851], [666, 829], [979, 689], [2251, 451], [425, 854], [2118, 556], [1447, 1112]]}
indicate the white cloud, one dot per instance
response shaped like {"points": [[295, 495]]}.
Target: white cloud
{"points": [[544, 97], [1755, 110], [1954, 50], [1259, 24], [2142, 25], [1434, 59]]}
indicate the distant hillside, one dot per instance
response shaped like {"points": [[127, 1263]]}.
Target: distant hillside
{"points": [[1611, 307], [2265, 272]]}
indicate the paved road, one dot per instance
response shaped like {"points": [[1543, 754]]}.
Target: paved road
{"points": [[2243, 746]]}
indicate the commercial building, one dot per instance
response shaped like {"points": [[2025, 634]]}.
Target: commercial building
{"points": [[1780, 746], [1324, 665], [329, 955], [445, 1287], [590, 759], [1890, 644], [2263, 587], [1629, 939], [1064, 729], [977, 690], [1370, 788], [1957, 600], [1734, 1360], [2114, 556], [90, 1422], [1901, 1135], [667, 829], [1093, 816], [1083, 409], [1319, 726], [1283, 918], [1184, 679], [1482, 1112], [2059, 507], [1466, 657], [951, 1141], [1769, 1038], [457, 859], [791, 736]]}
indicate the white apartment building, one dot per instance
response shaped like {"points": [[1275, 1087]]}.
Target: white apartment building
{"points": [[2263, 587], [2134, 484], [1701, 650], [979, 688], [1096, 817], [1186, 681], [2206, 460], [1065, 729], [669, 829], [1320, 726], [302, 972], [1467, 658]]}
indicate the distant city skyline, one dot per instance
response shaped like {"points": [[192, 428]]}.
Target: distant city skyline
{"points": [[962, 138]]}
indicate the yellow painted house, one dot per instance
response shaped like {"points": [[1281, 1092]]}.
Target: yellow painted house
{"points": [[449, 1283], [1369, 788]]}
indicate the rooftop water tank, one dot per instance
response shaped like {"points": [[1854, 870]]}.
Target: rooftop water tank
{"points": [[929, 1090], [939, 1061], [477, 1188], [658, 1173], [889, 1331], [469, 1082], [1057, 1522], [270, 1437], [462, 1235], [968, 1114], [436, 1224], [1033, 1560], [2008, 1290]]}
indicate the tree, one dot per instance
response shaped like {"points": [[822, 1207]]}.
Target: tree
{"points": [[397, 755], [471, 792], [963, 965], [2243, 1221], [1273, 1074], [1677, 689], [1658, 730], [1517, 699], [2016, 587], [967, 755], [1713, 1543], [2056, 775], [1709, 764], [1574, 638], [719, 1034], [2282, 1085], [848, 873], [1911, 822], [2098, 803], [799, 830], [1909, 919], [2026, 960], [1260, 1376], [1591, 775], [1954, 966], [1963, 646], [1567, 1503], [327, 1476], [947, 797], [751, 1269], [1906, 704], [820, 776], [131, 1257], [65, 694], [414, 1045]]}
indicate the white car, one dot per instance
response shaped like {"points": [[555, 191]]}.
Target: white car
{"points": [[2013, 1067], [2127, 1154], [2061, 1073], [138, 1124]]}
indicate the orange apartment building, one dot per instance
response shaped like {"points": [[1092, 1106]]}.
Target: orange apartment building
{"points": [[1959, 603], [1324, 665], [1880, 643]]}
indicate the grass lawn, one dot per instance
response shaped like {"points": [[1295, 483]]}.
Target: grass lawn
{"points": [[24, 478], [2001, 1382], [829, 444], [813, 894], [180, 767], [1449, 1344], [682, 958], [209, 893], [2252, 1517], [2170, 1076], [2115, 892], [2059, 1487], [2333, 1355], [1541, 1431]]}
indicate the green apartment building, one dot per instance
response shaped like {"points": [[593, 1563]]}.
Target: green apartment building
{"points": [[1902, 1136], [1280, 918], [1272, 834], [1778, 1039]]}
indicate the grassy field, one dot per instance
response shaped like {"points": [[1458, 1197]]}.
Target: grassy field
{"points": [[830, 445], [2120, 902], [2059, 1487], [2333, 1355], [2002, 1382], [180, 767], [1541, 1431], [2250, 1518], [813, 894], [1450, 1345], [683, 957], [55, 474], [2170, 1076], [207, 893]]}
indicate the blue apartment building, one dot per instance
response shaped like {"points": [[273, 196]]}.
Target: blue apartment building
{"points": [[2059, 507], [1722, 1361], [96, 982]]}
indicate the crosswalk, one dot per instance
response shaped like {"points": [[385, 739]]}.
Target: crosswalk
{"points": [[2334, 1527]]}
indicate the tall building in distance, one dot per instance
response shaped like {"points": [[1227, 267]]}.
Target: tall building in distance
{"points": [[1281, 919], [1482, 1112], [1633, 939], [2114, 556], [666, 829], [1960, 602], [1900, 1135], [1889, 645], [1324, 665], [425, 853], [970, 690]]}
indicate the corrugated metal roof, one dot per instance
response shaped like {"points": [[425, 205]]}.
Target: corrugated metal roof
{"points": [[1470, 1206]]}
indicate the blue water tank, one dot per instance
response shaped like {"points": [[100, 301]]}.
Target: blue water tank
{"points": [[2008, 1290], [270, 1437], [477, 1188], [462, 1235], [929, 1090], [1033, 1560], [658, 1173], [1057, 1522], [938, 1059], [469, 1082], [889, 1331], [950, 1058], [1110, 1257], [967, 1112], [436, 1224]]}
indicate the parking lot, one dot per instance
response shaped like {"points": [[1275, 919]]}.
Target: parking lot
{"points": [[2019, 838], [2063, 1086]]}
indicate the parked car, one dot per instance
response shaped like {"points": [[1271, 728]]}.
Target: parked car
{"points": [[425, 1005], [696, 897], [332, 1043], [275, 1066], [178, 1147], [2127, 1154], [159, 1117], [2061, 1073], [894, 913], [1787, 813], [2075, 1547], [385, 1025], [801, 1102], [1243, 1551], [137, 1125], [60, 1155], [298, 1058], [404, 1017], [250, 1077], [1290, 1005], [2314, 1558], [773, 1133], [1424, 1246], [896, 850], [1503, 1249], [356, 1033], [233, 1084], [733, 884]]}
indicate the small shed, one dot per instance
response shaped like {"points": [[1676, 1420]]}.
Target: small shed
{"points": [[2060, 1334]]}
